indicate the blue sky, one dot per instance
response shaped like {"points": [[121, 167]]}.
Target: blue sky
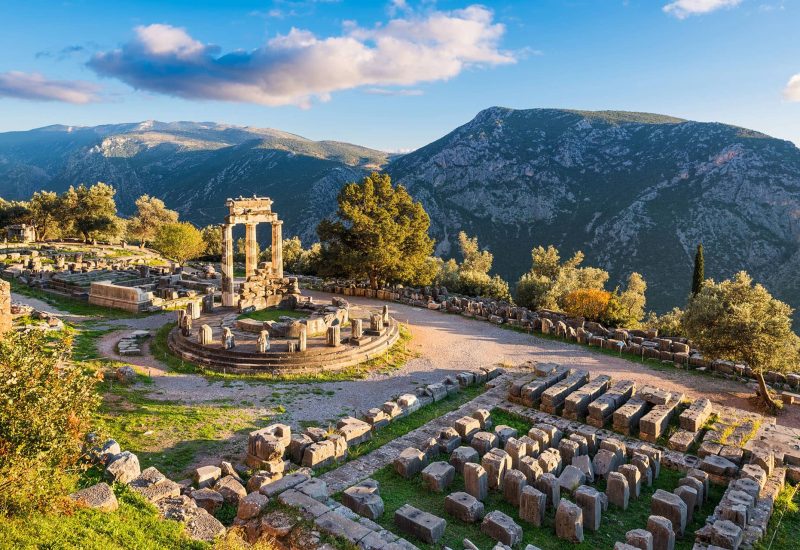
{"points": [[396, 75]]}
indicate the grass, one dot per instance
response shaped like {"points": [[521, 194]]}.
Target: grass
{"points": [[171, 435], [784, 526], [72, 305], [394, 358], [402, 426], [270, 314], [397, 491], [136, 524]]}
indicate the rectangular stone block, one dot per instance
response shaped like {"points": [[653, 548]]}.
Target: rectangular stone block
{"points": [[422, 525], [693, 418], [553, 397], [532, 507]]}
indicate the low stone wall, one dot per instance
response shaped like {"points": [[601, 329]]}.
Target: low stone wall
{"points": [[107, 294]]}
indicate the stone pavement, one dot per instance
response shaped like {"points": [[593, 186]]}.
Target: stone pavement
{"points": [[354, 471]]}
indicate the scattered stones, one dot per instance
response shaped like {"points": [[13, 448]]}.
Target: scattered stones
{"points": [[422, 525], [569, 521], [464, 507], [154, 486]]}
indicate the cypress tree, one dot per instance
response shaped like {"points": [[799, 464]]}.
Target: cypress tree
{"points": [[699, 270]]}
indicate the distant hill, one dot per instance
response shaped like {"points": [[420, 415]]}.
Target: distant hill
{"points": [[634, 191]]}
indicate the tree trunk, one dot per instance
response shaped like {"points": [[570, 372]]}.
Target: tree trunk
{"points": [[764, 392], [373, 280]]}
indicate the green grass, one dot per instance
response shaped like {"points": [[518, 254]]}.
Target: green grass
{"points": [[402, 426], [171, 435], [394, 358], [270, 314], [136, 524], [397, 491], [784, 526], [72, 305]]}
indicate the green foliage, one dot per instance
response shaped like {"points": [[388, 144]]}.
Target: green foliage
{"points": [[151, 213], [91, 211], [45, 408], [180, 241], [626, 308], [212, 237], [784, 525], [699, 274], [46, 213], [14, 212], [298, 260], [741, 321], [667, 324], [471, 276], [379, 233]]}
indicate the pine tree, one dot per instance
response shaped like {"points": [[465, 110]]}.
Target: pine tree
{"points": [[699, 270]]}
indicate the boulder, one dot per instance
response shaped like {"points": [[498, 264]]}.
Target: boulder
{"points": [[98, 497], [123, 467]]}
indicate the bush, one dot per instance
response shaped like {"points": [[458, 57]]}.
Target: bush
{"points": [[45, 407], [588, 303], [668, 324]]}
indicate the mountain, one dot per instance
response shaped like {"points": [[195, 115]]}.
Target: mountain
{"points": [[633, 191], [192, 166]]}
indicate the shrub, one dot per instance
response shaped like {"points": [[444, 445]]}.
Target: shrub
{"points": [[589, 303], [45, 407], [668, 324]]}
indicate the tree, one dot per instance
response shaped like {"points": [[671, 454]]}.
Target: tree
{"points": [[46, 212], [91, 211], [180, 241], [471, 276], [668, 324], [151, 213], [379, 232], [699, 270], [737, 320], [588, 303], [626, 308], [46, 406], [212, 237], [13, 212]]}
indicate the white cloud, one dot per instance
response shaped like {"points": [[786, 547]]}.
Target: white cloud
{"points": [[299, 67], [792, 90], [389, 91], [686, 8], [35, 87]]}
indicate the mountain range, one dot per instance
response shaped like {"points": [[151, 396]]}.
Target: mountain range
{"points": [[633, 191]]}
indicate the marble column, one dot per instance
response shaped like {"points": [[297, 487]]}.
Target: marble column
{"points": [[250, 250], [228, 299], [277, 249]]}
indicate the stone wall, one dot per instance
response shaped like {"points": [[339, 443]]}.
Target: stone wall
{"points": [[107, 294], [5, 306]]}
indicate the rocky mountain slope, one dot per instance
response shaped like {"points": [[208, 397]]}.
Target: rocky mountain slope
{"points": [[633, 191]]}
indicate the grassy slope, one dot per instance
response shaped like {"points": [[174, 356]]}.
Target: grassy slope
{"points": [[615, 523], [784, 526], [72, 305]]}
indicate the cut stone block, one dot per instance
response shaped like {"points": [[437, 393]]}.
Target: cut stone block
{"points": [[206, 476], [409, 463], [568, 449], [496, 463], [483, 442], [514, 482], [467, 427], [516, 449], [670, 506], [618, 490], [501, 528], [569, 521], [701, 476], [548, 484], [438, 476], [533, 504], [689, 496], [717, 465], [639, 538], [364, 499], [604, 463], [251, 506], [208, 499], [449, 440], [584, 464], [98, 497], [422, 525], [697, 485], [590, 501], [571, 478], [550, 461], [476, 482], [353, 430], [464, 507], [320, 454], [504, 433], [482, 416], [552, 399], [693, 418], [663, 534], [634, 477], [461, 456], [722, 533], [284, 484], [314, 488], [530, 467], [626, 418]]}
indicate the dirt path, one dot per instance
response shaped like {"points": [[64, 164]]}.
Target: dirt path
{"points": [[446, 344]]}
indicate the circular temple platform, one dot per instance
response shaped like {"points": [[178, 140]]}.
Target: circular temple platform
{"points": [[245, 358]]}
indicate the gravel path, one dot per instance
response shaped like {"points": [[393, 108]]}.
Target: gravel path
{"points": [[446, 344]]}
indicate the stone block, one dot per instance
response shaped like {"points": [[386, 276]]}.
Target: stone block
{"points": [[764, 458], [315, 488], [364, 499], [642, 462], [514, 482], [449, 440], [320, 454], [476, 482], [663, 534], [548, 484], [516, 449], [422, 525], [639, 538], [208, 499], [353, 430], [461, 456], [123, 467], [693, 418], [496, 465], [604, 463], [697, 485], [689, 496], [634, 477], [251, 506], [309, 507], [569, 521], [618, 490], [571, 478], [550, 461], [504, 433], [532, 507], [464, 507], [230, 489], [530, 467], [672, 507], [483, 442], [98, 497], [437, 476], [467, 427], [501, 528], [568, 449], [284, 484], [483, 416], [554, 435], [409, 463], [717, 465], [722, 533], [701, 476], [337, 525], [591, 503]]}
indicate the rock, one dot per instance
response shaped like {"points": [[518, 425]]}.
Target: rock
{"points": [[483, 442], [571, 478], [449, 440], [98, 497], [663, 535], [337, 525], [364, 499], [422, 525], [501, 528], [721, 533], [464, 507], [530, 467], [310, 508], [438, 476], [697, 485], [228, 470], [714, 464], [206, 476], [670, 506], [208, 499], [314, 488], [533, 504], [467, 427], [108, 450], [639, 538], [277, 523], [514, 482], [689, 496], [123, 467], [548, 484], [604, 462], [634, 476], [231, 490], [285, 483], [591, 503], [251, 506], [154, 486], [569, 521], [409, 463], [504, 433], [476, 482], [482, 416], [496, 463], [618, 490], [584, 464], [461, 456]]}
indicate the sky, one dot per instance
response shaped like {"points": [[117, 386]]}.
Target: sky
{"points": [[396, 74]]}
